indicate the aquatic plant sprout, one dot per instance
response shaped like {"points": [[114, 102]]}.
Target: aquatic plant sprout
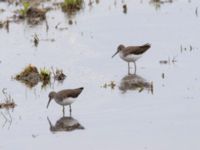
{"points": [[26, 6]]}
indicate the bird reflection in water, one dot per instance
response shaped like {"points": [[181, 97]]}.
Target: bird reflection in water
{"points": [[135, 82], [66, 124]]}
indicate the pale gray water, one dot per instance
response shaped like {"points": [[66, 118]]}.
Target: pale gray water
{"points": [[113, 119]]}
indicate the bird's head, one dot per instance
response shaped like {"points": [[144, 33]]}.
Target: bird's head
{"points": [[119, 48], [51, 96]]}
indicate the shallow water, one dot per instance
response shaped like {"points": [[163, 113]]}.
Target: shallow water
{"points": [[167, 118]]}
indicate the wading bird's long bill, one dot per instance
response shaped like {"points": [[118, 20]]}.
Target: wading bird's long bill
{"points": [[48, 103], [115, 54]]}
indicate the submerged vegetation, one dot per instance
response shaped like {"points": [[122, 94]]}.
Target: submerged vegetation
{"points": [[24, 10], [111, 84], [168, 61], [36, 40]]}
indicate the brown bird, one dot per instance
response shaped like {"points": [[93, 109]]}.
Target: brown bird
{"points": [[65, 97], [131, 53]]}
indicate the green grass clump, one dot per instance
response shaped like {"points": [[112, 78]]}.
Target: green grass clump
{"points": [[73, 2], [23, 11], [45, 75], [71, 5]]}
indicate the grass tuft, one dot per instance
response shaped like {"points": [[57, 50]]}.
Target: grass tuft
{"points": [[71, 5]]}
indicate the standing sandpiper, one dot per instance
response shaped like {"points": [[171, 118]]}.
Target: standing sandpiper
{"points": [[65, 97], [131, 53]]}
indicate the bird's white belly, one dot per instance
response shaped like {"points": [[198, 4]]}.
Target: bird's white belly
{"points": [[130, 58], [66, 101]]}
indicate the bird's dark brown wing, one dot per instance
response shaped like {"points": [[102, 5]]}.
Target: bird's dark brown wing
{"points": [[136, 50], [73, 93]]}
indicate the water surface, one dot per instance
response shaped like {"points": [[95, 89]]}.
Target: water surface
{"points": [[166, 119]]}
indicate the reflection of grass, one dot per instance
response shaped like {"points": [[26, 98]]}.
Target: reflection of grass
{"points": [[71, 5], [36, 40]]}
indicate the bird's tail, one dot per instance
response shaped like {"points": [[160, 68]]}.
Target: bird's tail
{"points": [[81, 88], [146, 46]]}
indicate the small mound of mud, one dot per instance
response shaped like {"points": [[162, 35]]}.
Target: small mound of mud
{"points": [[30, 76]]}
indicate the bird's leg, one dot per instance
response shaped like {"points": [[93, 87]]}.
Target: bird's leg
{"points": [[70, 110], [135, 67], [63, 111], [128, 68]]}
